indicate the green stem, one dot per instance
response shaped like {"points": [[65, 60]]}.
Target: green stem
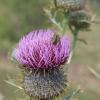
{"points": [[75, 34], [31, 98]]}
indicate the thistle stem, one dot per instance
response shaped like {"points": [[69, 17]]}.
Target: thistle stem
{"points": [[30, 97], [75, 34]]}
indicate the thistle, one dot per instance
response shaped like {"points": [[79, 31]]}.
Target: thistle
{"points": [[79, 19], [41, 56], [70, 4]]}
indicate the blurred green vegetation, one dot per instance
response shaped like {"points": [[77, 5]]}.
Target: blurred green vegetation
{"points": [[18, 17]]}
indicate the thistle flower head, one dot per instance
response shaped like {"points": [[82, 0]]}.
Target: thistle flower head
{"points": [[37, 50], [43, 52], [70, 4]]}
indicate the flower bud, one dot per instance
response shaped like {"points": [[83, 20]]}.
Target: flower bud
{"points": [[79, 19], [70, 4]]}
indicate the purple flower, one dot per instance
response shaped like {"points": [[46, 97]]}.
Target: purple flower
{"points": [[37, 50]]}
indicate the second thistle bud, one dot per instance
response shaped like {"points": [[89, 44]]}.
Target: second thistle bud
{"points": [[70, 4], [80, 19]]}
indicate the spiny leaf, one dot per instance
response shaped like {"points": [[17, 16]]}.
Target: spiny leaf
{"points": [[10, 82], [94, 72], [83, 41], [72, 95]]}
